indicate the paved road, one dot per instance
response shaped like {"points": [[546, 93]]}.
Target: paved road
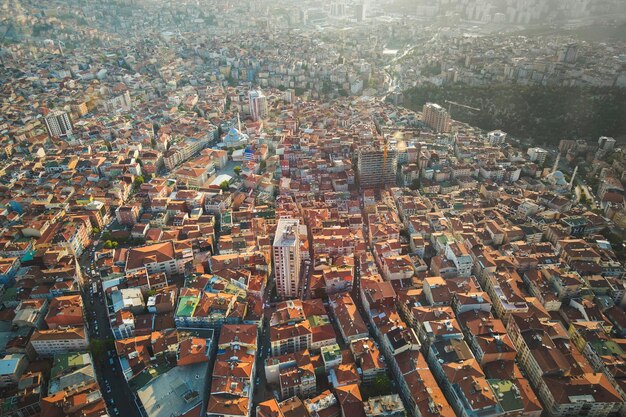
{"points": [[95, 308], [262, 390], [305, 281], [590, 196]]}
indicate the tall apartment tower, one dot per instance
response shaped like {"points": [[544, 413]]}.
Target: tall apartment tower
{"points": [[537, 155], [258, 105], [606, 143], [569, 53], [338, 8], [436, 117], [58, 124], [376, 170], [118, 104], [286, 251], [360, 11]]}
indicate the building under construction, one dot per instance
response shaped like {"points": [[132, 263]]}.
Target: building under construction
{"points": [[377, 166]]}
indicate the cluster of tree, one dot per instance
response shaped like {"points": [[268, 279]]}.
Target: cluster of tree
{"points": [[140, 179], [111, 244], [545, 114], [381, 385], [583, 199], [41, 28], [616, 241], [114, 241], [99, 347]]}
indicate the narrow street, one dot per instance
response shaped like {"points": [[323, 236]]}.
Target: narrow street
{"points": [[262, 390], [96, 317]]}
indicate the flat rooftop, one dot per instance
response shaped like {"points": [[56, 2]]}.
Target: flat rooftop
{"points": [[175, 392]]}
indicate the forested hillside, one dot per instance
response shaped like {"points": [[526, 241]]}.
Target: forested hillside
{"points": [[544, 114]]}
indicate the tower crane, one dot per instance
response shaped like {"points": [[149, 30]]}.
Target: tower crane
{"points": [[385, 156], [454, 103], [385, 153]]}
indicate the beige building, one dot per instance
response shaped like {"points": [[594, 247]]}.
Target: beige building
{"points": [[160, 257], [286, 250], [436, 117], [51, 342], [564, 386]]}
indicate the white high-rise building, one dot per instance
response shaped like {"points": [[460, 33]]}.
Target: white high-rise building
{"points": [[537, 155], [338, 8], [258, 105], [360, 9], [118, 104], [286, 251], [58, 124], [606, 143]]}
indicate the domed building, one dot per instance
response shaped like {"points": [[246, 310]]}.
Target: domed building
{"points": [[234, 138], [557, 182], [556, 179]]}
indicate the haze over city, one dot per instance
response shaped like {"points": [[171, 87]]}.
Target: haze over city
{"points": [[316, 208]]}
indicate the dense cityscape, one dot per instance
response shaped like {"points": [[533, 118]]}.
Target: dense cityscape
{"points": [[254, 208]]}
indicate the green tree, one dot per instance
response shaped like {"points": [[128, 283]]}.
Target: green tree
{"points": [[139, 180], [108, 244], [95, 230], [529, 111], [237, 170], [616, 241], [99, 347], [225, 185], [383, 383]]}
